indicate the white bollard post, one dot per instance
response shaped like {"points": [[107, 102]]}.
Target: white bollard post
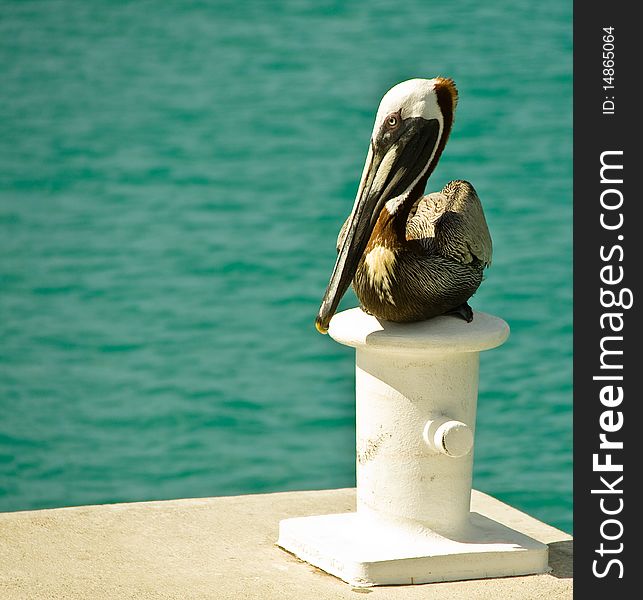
{"points": [[416, 395]]}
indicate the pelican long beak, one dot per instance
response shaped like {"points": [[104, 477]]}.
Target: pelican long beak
{"points": [[391, 170]]}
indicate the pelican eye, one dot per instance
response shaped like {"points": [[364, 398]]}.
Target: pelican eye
{"points": [[392, 120]]}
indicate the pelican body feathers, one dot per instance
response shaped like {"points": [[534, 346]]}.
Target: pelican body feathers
{"points": [[437, 267]]}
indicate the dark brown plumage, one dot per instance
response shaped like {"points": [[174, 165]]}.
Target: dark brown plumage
{"points": [[439, 265]]}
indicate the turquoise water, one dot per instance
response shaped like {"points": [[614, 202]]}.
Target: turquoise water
{"points": [[172, 179]]}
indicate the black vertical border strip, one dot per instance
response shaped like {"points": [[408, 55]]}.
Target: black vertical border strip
{"points": [[595, 133]]}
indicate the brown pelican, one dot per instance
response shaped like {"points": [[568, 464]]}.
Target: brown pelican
{"points": [[410, 257]]}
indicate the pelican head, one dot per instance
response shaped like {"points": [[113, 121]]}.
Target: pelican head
{"points": [[411, 127]]}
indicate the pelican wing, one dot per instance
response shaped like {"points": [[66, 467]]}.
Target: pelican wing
{"points": [[452, 223]]}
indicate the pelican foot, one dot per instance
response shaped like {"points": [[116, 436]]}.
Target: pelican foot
{"points": [[464, 311]]}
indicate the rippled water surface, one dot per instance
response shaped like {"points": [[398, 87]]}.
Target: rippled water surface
{"points": [[172, 179]]}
